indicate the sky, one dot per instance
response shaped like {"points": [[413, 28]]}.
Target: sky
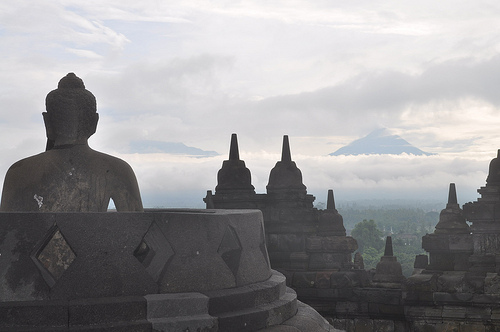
{"points": [[323, 72]]}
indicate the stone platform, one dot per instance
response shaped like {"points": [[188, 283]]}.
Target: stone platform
{"points": [[159, 270]]}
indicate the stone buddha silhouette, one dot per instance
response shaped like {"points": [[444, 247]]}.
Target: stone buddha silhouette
{"points": [[69, 176]]}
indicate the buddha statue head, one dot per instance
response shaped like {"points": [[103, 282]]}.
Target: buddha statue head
{"points": [[71, 116]]}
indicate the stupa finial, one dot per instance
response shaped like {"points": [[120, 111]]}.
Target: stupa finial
{"points": [[388, 247], [286, 156], [234, 153], [330, 203], [452, 195]]}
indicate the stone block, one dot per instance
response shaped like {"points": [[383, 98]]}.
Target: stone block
{"points": [[241, 298], [401, 326], [421, 283], [203, 323], [279, 260], [269, 290], [33, 313], [299, 261], [250, 321], [313, 243], [291, 242], [492, 284], [345, 293], [385, 296], [383, 325], [452, 298], [347, 308], [471, 327], [363, 325], [307, 293], [101, 311], [281, 310], [447, 326], [474, 313], [307, 319], [340, 280], [340, 324], [386, 310], [176, 304], [414, 312], [421, 326], [491, 327], [486, 299], [344, 244], [323, 279], [451, 282], [304, 280], [326, 261], [327, 293], [454, 313], [141, 326], [495, 313], [256, 318], [474, 283], [433, 314]]}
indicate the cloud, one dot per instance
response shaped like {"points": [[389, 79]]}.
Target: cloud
{"points": [[405, 177]]}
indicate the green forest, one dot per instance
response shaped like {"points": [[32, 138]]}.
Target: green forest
{"points": [[371, 226]]}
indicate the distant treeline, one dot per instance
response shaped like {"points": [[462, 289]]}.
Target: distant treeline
{"points": [[399, 220]]}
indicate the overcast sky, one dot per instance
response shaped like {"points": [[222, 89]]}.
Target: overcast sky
{"points": [[323, 72]]}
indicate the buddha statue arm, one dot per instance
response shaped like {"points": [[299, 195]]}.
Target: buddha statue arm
{"points": [[13, 194], [126, 194]]}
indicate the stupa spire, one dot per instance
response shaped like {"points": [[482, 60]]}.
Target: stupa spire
{"points": [[234, 176], [286, 155], [452, 195], [234, 153], [330, 203], [388, 247]]}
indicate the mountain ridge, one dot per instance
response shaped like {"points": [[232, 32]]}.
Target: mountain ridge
{"points": [[379, 141]]}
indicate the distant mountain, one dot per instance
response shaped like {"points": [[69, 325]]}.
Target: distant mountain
{"points": [[379, 141], [146, 146]]}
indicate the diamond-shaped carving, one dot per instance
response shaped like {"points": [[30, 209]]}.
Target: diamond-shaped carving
{"points": [[154, 251], [53, 256], [230, 249]]}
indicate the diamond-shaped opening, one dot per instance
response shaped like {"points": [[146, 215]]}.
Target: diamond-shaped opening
{"points": [[230, 250], [54, 256], [154, 252], [142, 252]]}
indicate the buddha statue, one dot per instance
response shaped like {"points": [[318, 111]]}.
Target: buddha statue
{"points": [[69, 176]]}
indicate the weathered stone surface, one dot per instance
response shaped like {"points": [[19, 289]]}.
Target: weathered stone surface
{"points": [[331, 244], [20, 278], [451, 282], [104, 265], [307, 320], [466, 327], [299, 261], [363, 325], [326, 261], [46, 314], [304, 280], [383, 325], [176, 304], [85, 312]]}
